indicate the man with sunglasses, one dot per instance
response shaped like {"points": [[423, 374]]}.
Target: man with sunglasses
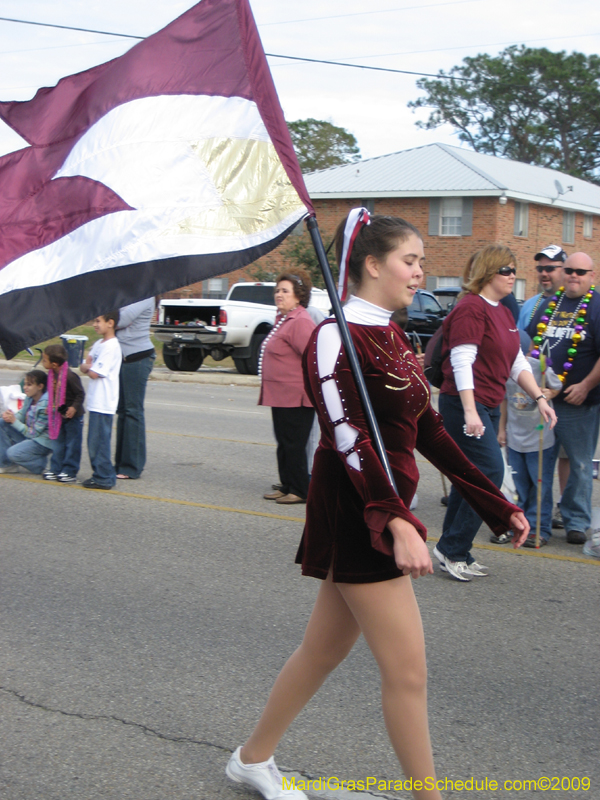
{"points": [[572, 337], [549, 268]]}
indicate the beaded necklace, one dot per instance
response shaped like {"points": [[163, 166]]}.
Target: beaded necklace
{"points": [[57, 391], [580, 317], [538, 303], [272, 333]]}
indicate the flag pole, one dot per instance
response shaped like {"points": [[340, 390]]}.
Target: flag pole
{"points": [[315, 235]]}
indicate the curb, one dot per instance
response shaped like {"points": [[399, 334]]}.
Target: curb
{"points": [[162, 374]]}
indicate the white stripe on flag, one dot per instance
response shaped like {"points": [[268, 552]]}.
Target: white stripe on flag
{"points": [[200, 173]]}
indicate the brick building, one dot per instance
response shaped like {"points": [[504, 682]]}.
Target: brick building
{"points": [[460, 201]]}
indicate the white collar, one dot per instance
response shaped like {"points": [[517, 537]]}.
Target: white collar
{"points": [[362, 312], [491, 302]]}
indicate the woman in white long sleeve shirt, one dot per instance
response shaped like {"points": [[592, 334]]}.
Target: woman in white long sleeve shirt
{"points": [[482, 341]]}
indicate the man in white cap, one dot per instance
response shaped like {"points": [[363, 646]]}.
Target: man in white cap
{"points": [[549, 268]]}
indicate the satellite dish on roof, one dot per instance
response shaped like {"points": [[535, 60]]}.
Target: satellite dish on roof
{"points": [[560, 191]]}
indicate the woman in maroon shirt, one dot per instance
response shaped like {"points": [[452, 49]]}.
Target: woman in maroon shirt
{"points": [[282, 385], [482, 340], [360, 537]]}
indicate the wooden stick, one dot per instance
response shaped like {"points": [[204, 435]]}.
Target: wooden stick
{"points": [[538, 518]]}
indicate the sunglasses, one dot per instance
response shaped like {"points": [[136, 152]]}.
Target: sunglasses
{"points": [[506, 271], [579, 272], [545, 268]]}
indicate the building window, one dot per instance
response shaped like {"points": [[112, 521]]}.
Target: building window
{"points": [[588, 226], [445, 282], [519, 290], [369, 205], [215, 288], [450, 216], [569, 227], [521, 219]]}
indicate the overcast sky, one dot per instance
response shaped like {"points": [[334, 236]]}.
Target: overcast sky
{"points": [[421, 36]]}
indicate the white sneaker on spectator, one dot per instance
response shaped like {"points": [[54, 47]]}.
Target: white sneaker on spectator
{"points": [[9, 470], [478, 570], [456, 569], [264, 777]]}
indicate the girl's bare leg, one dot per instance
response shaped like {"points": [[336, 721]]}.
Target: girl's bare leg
{"points": [[390, 621], [330, 634]]}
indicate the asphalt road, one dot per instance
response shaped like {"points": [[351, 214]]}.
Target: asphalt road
{"points": [[142, 629]]}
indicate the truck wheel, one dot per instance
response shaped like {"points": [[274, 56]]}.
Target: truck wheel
{"points": [[255, 344], [171, 361], [241, 365], [189, 360]]}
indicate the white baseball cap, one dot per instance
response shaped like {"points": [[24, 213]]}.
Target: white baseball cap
{"points": [[553, 252]]}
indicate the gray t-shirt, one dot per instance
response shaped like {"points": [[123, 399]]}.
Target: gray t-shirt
{"points": [[523, 416], [133, 332]]}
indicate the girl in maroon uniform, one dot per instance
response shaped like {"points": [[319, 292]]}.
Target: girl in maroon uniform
{"points": [[360, 537]]}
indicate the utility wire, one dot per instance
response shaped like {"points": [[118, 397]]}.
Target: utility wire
{"points": [[364, 66], [369, 13], [70, 28], [271, 55], [318, 60]]}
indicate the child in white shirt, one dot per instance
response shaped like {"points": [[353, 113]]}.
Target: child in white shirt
{"points": [[102, 365]]}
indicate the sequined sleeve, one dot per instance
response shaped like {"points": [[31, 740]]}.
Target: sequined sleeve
{"points": [[331, 384]]}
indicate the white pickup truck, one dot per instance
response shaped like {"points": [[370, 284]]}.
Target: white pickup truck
{"points": [[191, 328]]}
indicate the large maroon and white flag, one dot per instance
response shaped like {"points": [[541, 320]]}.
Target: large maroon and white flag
{"points": [[155, 170]]}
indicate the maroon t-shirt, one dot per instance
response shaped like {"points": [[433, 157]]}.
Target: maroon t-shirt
{"points": [[493, 329]]}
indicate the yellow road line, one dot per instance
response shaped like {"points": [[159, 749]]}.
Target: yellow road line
{"points": [[506, 549], [213, 438], [117, 493]]}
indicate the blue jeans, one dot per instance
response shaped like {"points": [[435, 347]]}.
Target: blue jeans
{"points": [[18, 449], [67, 447], [130, 455], [525, 475], [461, 523], [99, 433], [577, 431]]}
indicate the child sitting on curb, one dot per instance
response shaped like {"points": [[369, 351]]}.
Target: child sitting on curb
{"points": [[65, 415], [24, 439]]}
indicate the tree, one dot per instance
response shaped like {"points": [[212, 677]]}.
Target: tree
{"points": [[321, 144], [531, 105], [298, 251]]}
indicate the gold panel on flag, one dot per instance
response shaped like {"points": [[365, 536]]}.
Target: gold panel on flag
{"points": [[255, 190]]}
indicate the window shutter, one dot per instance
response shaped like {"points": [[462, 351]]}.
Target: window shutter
{"points": [[434, 216], [467, 217]]}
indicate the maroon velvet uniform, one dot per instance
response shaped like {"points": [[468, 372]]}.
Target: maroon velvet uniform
{"points": [[348, 509]]}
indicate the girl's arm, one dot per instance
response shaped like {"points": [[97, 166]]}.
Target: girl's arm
{"points": [[481, 494], [336, 400]]}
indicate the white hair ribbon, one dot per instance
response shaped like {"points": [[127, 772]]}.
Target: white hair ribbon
{"points": [[356, 219]]}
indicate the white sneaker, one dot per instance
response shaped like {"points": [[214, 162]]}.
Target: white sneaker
{"points": [[456, 569], [478, 570], [265, 777], [9, 470], [592, 546]]}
